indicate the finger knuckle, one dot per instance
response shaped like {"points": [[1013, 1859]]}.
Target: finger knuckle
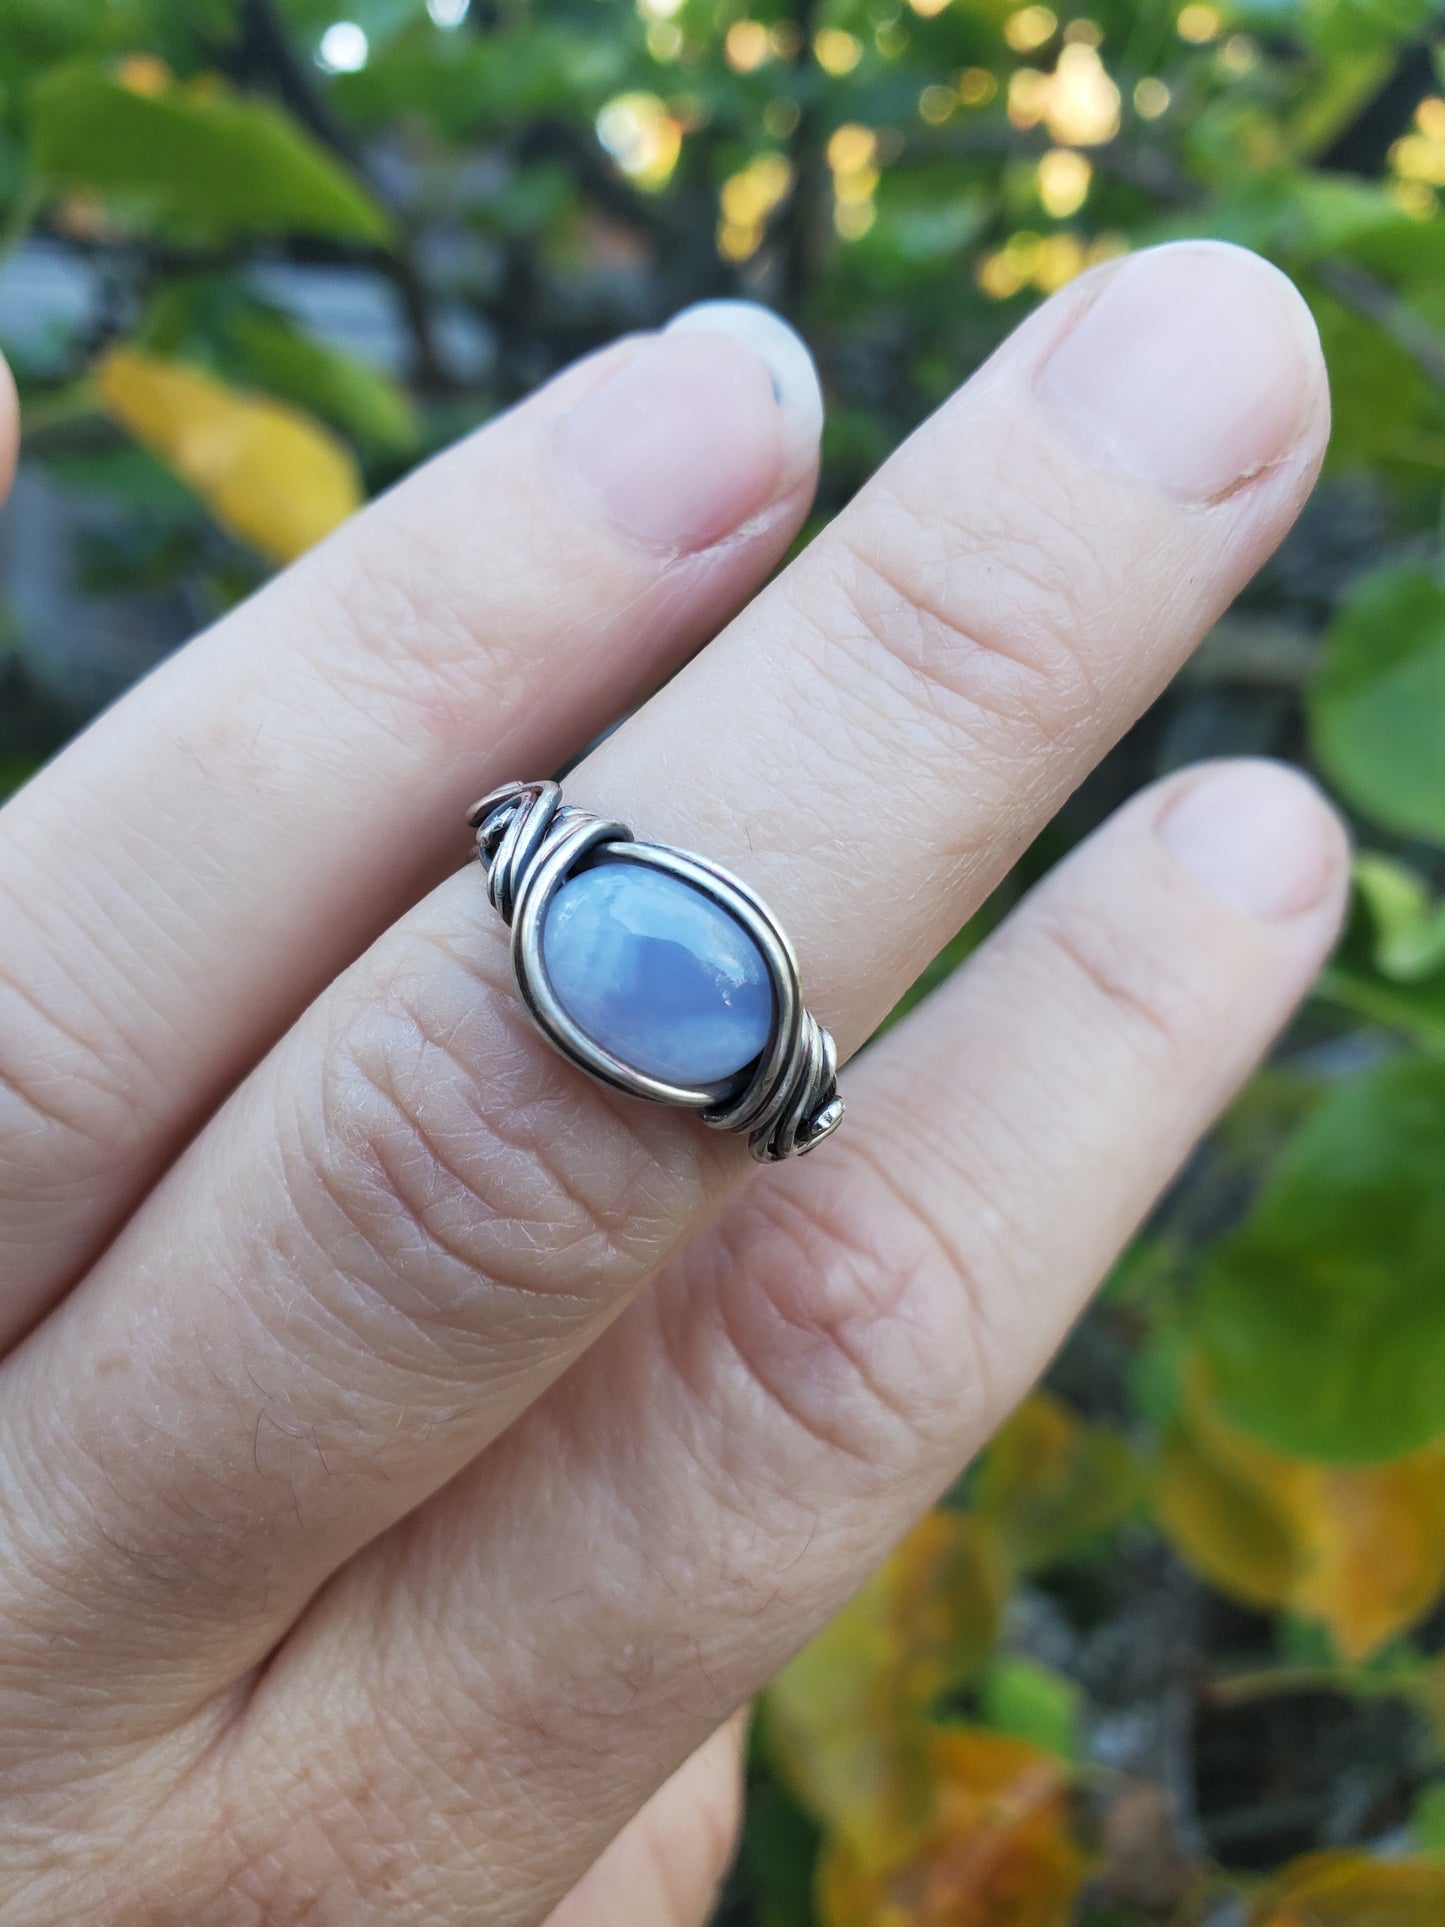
{"points": [[847, 1312], [975, 626], [1144, 1004], [61, 1080], [441, 1159], [408, 641]]}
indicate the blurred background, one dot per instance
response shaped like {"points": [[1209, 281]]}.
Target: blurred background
{"points": [[1172, 1652]]}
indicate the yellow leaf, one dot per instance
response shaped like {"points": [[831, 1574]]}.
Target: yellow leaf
{"points": [[267, 472], [1361, 1548], [1350, 1890], [1228, 1507], [1049, 1481], [847, 1721], [996, 1851], [1379, 1553]]}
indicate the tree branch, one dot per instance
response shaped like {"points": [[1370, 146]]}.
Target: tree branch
{"points": [[1358, 289], [264, 51], [798, 224]]}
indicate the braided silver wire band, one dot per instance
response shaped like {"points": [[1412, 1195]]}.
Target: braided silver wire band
{"points": [[529, 842]]}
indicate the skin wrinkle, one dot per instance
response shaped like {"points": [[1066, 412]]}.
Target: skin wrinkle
{"points": [[723, 1474], [663, 1681], [1048, 584], [430, 671], [1126, 992], [463, 663], [338, 1313], [942, 669], [96, 1080], [361, 1422], [178, 1570], [424, 1786], [503, 1158], [943, 1252], [837, 1293], [731, 1479]]}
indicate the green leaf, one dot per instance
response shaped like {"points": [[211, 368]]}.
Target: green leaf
{"points": [[1323, 1318], [1416, 1010], [1427, 1822], [193, 158], [1409, 941], [15, 771], [1377, 708], [357, 398], [1380, 402], [1033, 1703], [1344, 26], [42, 33]]}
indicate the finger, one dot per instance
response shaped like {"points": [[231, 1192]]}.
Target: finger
{"points": [[657, 1537], [9, 429], [415, 1216], [665, 1867], [216, 848]]}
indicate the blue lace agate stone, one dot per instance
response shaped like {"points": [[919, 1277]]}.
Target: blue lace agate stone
{"points": [[657, 973]]}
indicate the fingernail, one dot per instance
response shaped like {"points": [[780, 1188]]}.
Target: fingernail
{"points": [[1197, 366], [1258, 836], [706, 425], [794, 374]]}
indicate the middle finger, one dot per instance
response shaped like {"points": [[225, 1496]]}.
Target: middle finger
{"points": [[413, 1217]]}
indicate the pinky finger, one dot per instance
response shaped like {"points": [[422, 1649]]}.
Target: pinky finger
{"points": [[666, 1866]]}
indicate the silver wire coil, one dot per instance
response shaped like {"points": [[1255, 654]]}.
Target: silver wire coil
{"points": [[529, 841]]}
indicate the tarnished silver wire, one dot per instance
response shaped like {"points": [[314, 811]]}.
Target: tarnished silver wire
{"points": [[529, 842]]}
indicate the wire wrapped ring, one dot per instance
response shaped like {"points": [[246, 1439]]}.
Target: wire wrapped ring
{"points": [[530, 843]]}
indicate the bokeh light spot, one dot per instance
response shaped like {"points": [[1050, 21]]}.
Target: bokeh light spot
{"points": [[747, 46], [1063, 182], [641, 136], [837, 52], [1199, 22], [344, 48], [1030, 27]]}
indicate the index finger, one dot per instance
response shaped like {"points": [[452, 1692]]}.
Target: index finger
{"points": [[193, 870]]}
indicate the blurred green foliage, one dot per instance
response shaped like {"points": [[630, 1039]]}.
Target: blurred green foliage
{"points": [[1180, 1633]]}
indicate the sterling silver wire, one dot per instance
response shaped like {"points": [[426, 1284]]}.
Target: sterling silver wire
{"points": [[529, 842]]}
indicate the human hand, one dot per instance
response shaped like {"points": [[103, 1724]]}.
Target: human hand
{"points": [[411, 1452]]}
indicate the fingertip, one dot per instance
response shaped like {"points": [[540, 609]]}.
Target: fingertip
{"points": [[791, 366], [1260, 838], [1194, 368], [692, 440]]}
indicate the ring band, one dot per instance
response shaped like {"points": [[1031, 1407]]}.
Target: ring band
{"points": [[652, 969]]}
